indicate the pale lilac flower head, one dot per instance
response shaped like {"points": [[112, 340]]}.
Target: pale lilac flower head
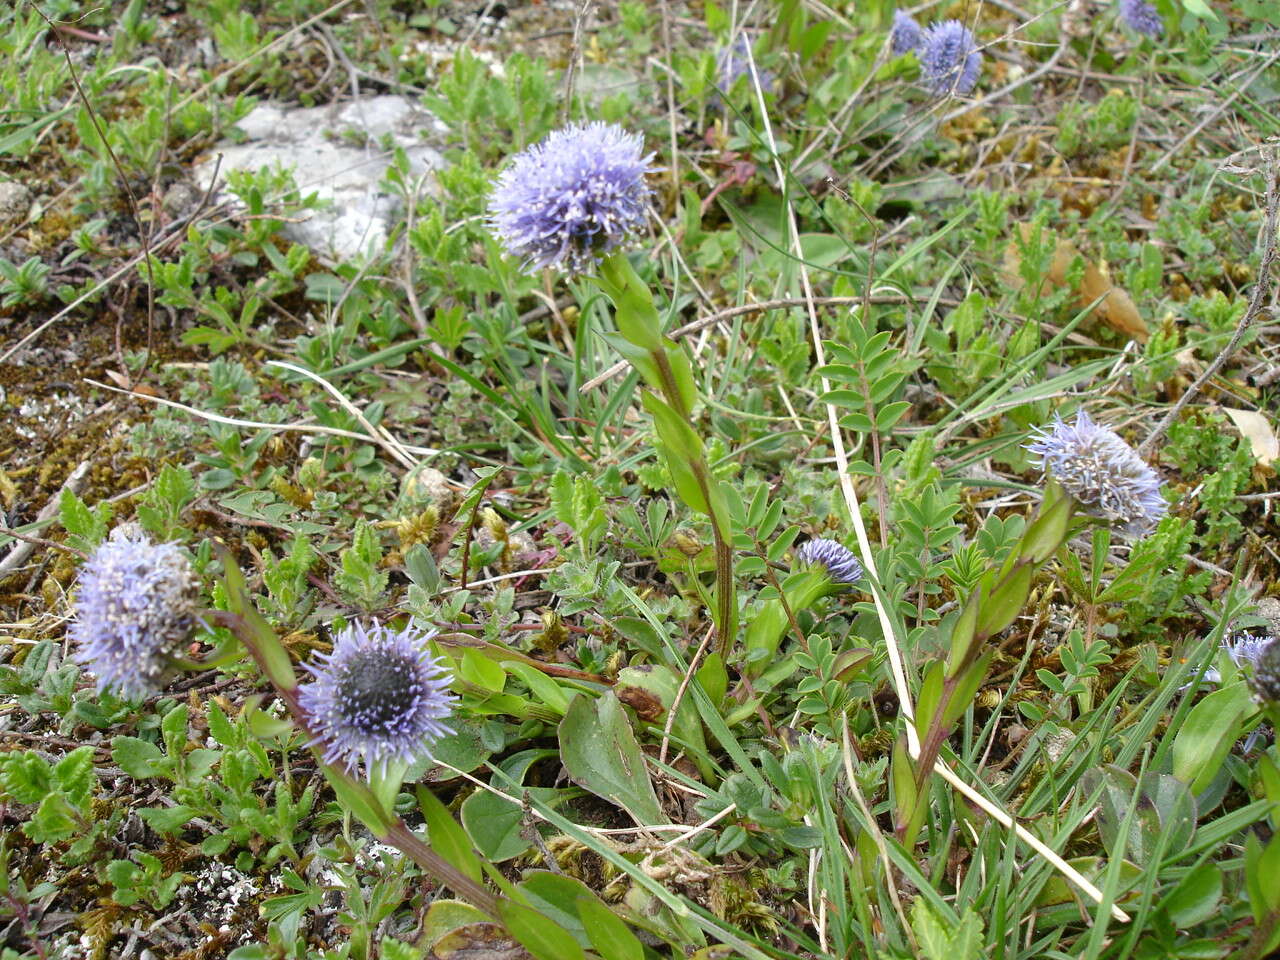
{"points": [[906, 34], [378, 697], [839, 561], [1244, 648], [949, 58], [1102, 472], [1141, 17], [134, 608], [734, 61], [573, 197]]}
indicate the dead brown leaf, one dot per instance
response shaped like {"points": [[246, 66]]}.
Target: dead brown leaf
{"points": [[1257, 429], [1116, 308]]}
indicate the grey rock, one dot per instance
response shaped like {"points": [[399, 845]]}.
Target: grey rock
{"points": [[15, 203], [338, 153]]}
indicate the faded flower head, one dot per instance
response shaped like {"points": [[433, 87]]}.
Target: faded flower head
{"points": [[949, 58], [379, 696], [905, 35], [134, 608], [734, 61], [1141, 17], [1102, 472], [567, 201], [839, 561], [1265, 678]]}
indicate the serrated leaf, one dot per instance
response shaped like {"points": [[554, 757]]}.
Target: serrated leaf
{"points": [[73, 775], [138, 758]]}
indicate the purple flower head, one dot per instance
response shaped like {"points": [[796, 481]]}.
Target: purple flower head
{"points": [[1102, 472], [734, 61], [839, 561], [567, 201], [906, 34], [134, 608], [1141, 17], [949, 58], [379, 696]]}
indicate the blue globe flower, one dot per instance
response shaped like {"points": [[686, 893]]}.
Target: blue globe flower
{"points": [[840, 563], [378, 697], [905, 35], [135, 606], [567, 201], [1102, 473], [734, 61], [949, 58], [1141, 17]]}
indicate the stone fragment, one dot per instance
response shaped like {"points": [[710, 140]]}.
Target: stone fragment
{"points": [[339, 152]]}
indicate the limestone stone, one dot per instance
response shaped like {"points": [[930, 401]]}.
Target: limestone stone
{"points": [[340, 153]]}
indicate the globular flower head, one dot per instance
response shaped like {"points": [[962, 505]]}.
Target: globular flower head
{"points": [[840, 563], [1141, 17], [570, 199], [734, 61], [949, 58], [379, 696], [135, 606], [906, 34], [1102, 472]]}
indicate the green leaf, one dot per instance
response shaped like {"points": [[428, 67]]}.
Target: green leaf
{"points": [[602, 756], [888, 416], [1005, 602], [476, 668], [1207, 734], [540, 935], [610, 937], [657, 685], [26, 777], [167, 820], [137, 758], [555, 896], [446, 837], [713, 678], [54, 821], [87, 528], [1196, 898], [542, 686], [940, 940], [74, 776]]}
